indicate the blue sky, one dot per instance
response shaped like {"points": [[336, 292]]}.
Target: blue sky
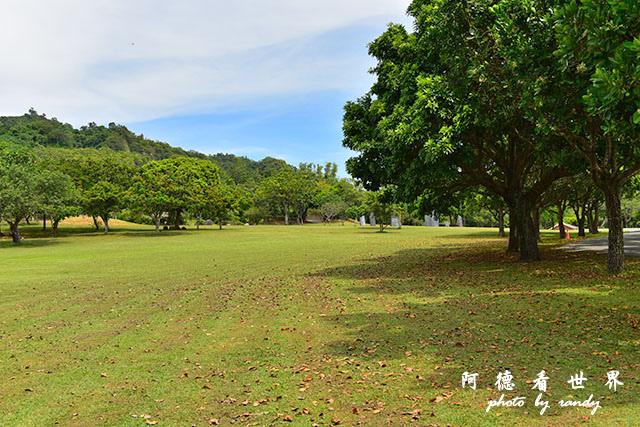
{"points": [[296, 128], [253, 78]]}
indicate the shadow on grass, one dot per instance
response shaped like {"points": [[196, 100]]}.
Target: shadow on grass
{"points": [[34, 236], [441, 232], [169, 233], [480, 310], [27, 243]]}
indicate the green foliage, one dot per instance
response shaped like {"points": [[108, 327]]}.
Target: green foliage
{"points": [[60, 198], [85, 171], [26, 189], [331, 210], [599, 51], [307, 190], [150, 192], [356, 212], [450, 105], [378, 203], [102, 199], [592, 98], [21, 186], [54, 142], [347, 190], [218, 201], [256, 214], [176, 184], [284, 188]]}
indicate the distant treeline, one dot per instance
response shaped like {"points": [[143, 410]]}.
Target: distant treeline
{"points": [[50, 170]]}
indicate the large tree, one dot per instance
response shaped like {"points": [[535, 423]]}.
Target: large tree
{"points": [[20, 191], [379, 204], [218, 201], [87, 171], [451, 109], [189, 179], [173, 185], [306, 192], [103, 199], [284, 187], [59, 197], [26, 188], [150, 192], [593, 98]]}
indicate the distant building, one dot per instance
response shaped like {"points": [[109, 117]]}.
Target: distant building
{"points": [[566, 227]]}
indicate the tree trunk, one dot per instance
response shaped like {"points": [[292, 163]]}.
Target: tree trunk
{"points": [[581, 215], [381, 227], [581, 232], [95, 222], [589, 214], [501, 232], [615, 262], [27, 218], [105, 219], [285, 207], [44, 222], [157, 224], [15, 231], [199, 220], [528, 244], [176, 224], [513, 231], [596, 219], [219, 223], [54, 226], [563, 232], [536, 223]]}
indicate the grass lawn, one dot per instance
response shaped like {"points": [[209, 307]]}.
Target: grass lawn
{"points": [[294, 325]]}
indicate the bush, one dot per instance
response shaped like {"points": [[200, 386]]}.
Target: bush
{"points": [[256, 215], [133, 216]]}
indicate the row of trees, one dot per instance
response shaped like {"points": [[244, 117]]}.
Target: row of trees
{"points": [[311, 188], [508, 96], [164, 191]]}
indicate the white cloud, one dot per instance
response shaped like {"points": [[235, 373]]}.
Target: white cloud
{"points": [[131, 60]]}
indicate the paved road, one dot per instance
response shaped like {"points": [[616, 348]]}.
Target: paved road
{"points": [[600, 244]]}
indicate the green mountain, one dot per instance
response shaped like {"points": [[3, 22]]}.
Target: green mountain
{"points": [[52, 138]]}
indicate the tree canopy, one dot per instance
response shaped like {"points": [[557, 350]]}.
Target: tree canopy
{"points": [[461, 102]]}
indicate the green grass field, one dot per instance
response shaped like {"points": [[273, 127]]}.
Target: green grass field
{"points": [[307, 325]]}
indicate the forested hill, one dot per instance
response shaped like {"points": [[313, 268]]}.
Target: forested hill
{"points": [[54, 138]]}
